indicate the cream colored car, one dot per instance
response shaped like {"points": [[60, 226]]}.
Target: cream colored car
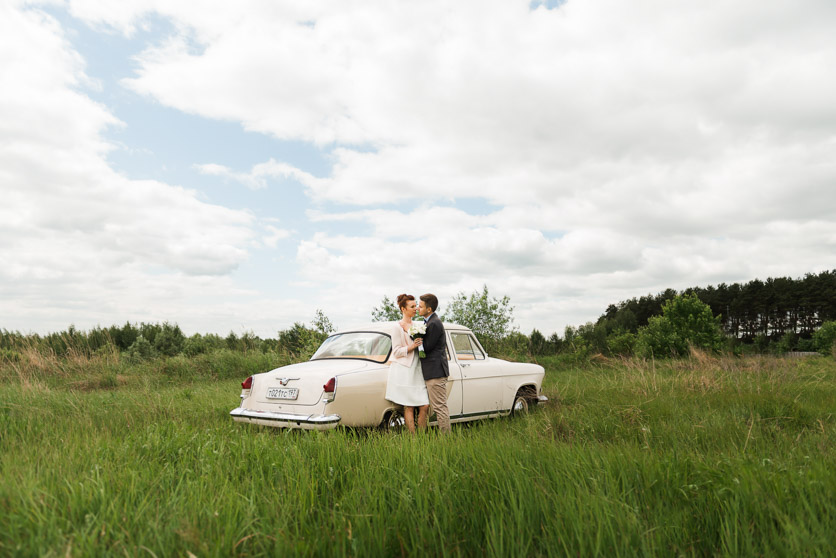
{"points": [[345, 381]]}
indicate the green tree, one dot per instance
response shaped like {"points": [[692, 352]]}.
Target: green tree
{"points": [[825, 338], [489, 317], [124, 336], [140, 350], [322, 324], [387, 311], [595, 336], [195, 345], [686, 321], [300, 341], [169, 340], [537, 342]]}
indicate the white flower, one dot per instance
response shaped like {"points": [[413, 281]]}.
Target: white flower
{"points": [[417, 329]]}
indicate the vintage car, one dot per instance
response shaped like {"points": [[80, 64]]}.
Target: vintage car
{"points": [[345, 381]]}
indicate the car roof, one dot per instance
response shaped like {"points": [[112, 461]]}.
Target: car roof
{"points": [[385, 327]]}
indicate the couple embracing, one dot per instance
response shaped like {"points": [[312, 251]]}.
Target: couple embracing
{"points": [[419, 381]]}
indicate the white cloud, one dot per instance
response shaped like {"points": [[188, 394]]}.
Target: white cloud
{"points": [[256, 179], [661, 114], [628, 147], [80, 243], [271, 240]]}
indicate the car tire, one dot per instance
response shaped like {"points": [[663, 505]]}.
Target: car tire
{"points": [[393, 421], [521, 404]]}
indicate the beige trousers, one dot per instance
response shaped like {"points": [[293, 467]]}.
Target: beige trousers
{"points": [[437, 391]]}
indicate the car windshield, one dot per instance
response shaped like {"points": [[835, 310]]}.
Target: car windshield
{"points": [[368, 345]]}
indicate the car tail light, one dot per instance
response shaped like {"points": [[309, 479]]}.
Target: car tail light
{"points": [[330, 388], [248, 383]]}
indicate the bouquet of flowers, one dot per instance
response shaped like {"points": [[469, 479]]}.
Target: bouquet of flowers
{"points": [[417, 331]]}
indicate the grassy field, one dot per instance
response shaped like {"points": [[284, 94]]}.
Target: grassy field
{"points": [[699, 457]]}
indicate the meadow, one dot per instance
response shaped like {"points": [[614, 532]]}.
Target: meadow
{"points": [[702, 456]]}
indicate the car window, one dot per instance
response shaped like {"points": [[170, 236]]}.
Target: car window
{"points": [[477, 351], [367, 345], [466, 347]]}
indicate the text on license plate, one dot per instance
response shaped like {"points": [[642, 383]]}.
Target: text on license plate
{"points": [[282, 393]]}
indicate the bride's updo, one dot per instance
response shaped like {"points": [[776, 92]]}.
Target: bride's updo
{"points": [[403, 299]]}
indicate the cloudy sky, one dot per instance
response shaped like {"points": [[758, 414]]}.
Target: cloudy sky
{"points": [[237, 165]]}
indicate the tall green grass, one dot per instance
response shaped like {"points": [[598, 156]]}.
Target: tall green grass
{"points": [[699, 457]]}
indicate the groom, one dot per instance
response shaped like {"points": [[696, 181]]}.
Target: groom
{"points": [[434, 365]]}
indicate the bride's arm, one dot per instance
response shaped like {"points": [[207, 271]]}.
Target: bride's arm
{"points": [[399, 349]]}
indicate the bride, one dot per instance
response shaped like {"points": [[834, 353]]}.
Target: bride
{"points": [[405, 385]]}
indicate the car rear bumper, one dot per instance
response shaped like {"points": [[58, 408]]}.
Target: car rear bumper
{"points": [[286, 420]]}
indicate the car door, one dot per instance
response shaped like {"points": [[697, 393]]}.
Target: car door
{"points": [[454, 385], [481, 379]]}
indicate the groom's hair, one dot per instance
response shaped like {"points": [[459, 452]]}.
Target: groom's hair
{"points": [[430, 300]]}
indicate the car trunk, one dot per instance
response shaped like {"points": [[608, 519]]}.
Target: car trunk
{"points": [[272, 391]]}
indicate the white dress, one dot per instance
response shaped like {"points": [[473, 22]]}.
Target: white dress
{"points": [[405, 384]]}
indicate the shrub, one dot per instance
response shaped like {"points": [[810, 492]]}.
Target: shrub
{"points": [[169, 340], [140, 350], [685, 322], [825, 338], [806, 345], [788, 342], [761, 343], [179, 367], [514, 346], [621, 343], [195, 345]]}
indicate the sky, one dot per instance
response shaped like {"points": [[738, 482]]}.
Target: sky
{"points": [[235, 166]]}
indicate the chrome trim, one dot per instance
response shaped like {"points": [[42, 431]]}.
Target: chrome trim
{"points": [[285, 417], [285, 381], [542, 399]]}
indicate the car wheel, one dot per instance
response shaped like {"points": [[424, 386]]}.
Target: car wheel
{"points": [[393, 421], [520, 406]]}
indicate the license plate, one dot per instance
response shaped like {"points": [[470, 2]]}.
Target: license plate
{"points": [[282, 393]]}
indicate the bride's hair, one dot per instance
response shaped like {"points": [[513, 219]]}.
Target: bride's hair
{"points": [[403, 299]]}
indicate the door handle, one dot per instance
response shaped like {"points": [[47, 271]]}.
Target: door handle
{"points": [[464, 365]]}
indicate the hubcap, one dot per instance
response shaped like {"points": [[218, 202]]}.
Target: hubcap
{"points": [[396, 420]]}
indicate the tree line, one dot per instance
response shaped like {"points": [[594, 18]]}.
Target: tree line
{"points": [[147, 341], [768, 308], [777, 315]]}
